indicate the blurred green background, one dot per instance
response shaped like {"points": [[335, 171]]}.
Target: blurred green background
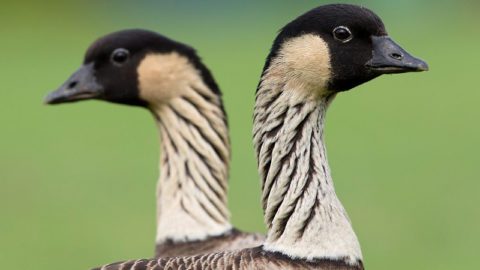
{"points": [[77, 181]]}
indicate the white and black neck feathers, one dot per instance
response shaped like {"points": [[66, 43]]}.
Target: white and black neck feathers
{"points": [[303, 214], [195, 149]]}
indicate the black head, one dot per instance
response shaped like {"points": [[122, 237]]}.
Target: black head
{"points": [[357, 42], [110, 68]]}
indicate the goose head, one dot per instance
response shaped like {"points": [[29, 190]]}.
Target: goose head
{"points": [[133, 67], [337, 47]]}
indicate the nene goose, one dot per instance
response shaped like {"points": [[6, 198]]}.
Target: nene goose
{"points": [[328, 50], [143, 68]]}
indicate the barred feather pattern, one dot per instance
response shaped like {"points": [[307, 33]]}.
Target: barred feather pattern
{"points": [[195, 155], [305, 218], [233, 240], [251, 259]]}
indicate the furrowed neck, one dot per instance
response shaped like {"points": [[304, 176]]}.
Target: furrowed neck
{"points": [[305, 218], [194, 163]]}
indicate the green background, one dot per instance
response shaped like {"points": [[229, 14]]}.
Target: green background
{"points": [[77, 181]]}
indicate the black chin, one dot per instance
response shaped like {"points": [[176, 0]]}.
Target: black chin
{"points": [[129, 102], [342, 85]]}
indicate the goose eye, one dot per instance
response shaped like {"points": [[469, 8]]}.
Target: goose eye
{"points": [[119, 56], [342, 34]]}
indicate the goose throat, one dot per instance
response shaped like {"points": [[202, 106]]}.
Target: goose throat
{"points": [[194, 160], [303, 214]]}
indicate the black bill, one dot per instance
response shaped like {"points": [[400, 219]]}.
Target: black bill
{"points": [[389, 57], [81, 85]]}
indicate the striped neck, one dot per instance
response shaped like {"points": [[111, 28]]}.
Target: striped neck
{"points": [[195, 154], [305, 218]]}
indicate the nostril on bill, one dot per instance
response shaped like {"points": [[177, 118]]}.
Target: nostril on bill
{"points": [[396, 56], [72, 84]]}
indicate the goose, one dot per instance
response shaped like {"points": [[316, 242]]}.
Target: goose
{"points": [[143, 68], [328, 50]]}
